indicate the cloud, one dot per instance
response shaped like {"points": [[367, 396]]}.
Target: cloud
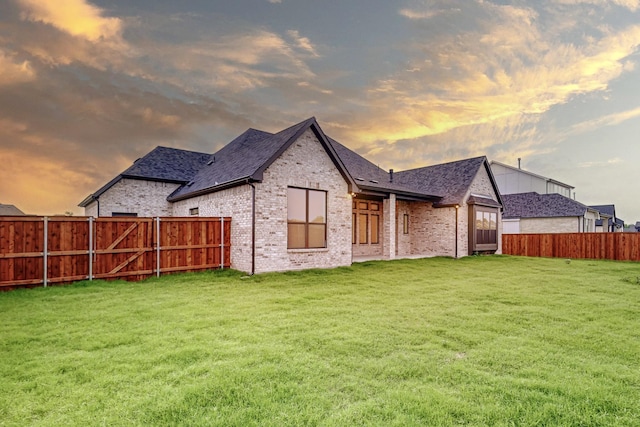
{"points": [[275, 1], [632, 5], [425, 14], [506, 68], [608, 120], [12, 71], [75, 17]]}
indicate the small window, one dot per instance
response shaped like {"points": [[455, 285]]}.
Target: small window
{"points": [[405, 224], [486, 228], [194, 211]]}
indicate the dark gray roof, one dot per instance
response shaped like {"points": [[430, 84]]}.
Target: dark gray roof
{"points": [[247, 157], [449, 180], [534, 205], [161, 164], [9, 210], [609, 210], [370, 177]]}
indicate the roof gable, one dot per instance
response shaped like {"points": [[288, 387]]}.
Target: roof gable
{"points": [[248, 156]]}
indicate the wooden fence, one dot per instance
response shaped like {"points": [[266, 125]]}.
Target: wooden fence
{"points": [[54, 250], [613, 246]]}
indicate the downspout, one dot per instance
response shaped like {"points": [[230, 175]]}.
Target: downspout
{"points": [[253, 227], [456, 254]]}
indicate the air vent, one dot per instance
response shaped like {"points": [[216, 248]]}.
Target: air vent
{"points": [[189, 184], [373, 180], [359, 179]]}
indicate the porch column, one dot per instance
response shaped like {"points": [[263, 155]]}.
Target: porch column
{"points": [[390, 227]]}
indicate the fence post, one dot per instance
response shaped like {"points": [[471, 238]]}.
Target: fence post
{"points": [[90, 248], [45, 263], [157, 246], [221, 243]]}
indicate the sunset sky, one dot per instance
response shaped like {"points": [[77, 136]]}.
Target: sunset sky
{"points": [[87, 87]]}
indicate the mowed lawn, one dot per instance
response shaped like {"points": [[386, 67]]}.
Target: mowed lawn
{"points": [[499, 340]]}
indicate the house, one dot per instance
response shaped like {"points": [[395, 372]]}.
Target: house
{"points": [[612, 224], [9, 210], [547, 213], [299, 199], [512, 180]]}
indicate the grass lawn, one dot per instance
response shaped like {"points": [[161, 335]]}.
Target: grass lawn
{"points": [[502, 341]]}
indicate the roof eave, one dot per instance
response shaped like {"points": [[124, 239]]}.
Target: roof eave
{"points": [[214, 189]]}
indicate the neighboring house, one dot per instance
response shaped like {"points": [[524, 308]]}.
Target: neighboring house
{"points": [[299, 199], [638, 226], [546, 213], [10, 210], [512, 180], [612, 223]]}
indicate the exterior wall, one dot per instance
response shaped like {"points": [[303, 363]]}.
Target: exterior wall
{"points": [[551, 225], [511, 226], [432, 230], [389, 227], [145, 198], [91, 209], [512, 181], [304, 164], [235, 203]]}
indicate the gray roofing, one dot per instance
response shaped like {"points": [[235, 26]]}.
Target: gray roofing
{"points": [[449, 180], [160, 164], [9, 210], [246, 158], [369, 176], [534, 205], [608, 210]]}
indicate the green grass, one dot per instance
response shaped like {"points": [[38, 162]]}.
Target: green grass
{"points": [[502, 341]]}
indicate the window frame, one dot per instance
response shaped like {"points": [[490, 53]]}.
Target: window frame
{"points": [[307, 223], [485, 238]]}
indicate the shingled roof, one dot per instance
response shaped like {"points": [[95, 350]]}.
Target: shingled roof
{"points": [[161, 164], [534, 205], [246, 158], [450, 180]]}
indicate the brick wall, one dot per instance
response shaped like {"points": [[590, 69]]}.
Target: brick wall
{"points": [[550, 225], [304, 164], [145, 198]]}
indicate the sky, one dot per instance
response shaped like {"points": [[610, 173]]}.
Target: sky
{"points": [[89, 86]]}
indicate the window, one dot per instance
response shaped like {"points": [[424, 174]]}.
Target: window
{"points": [[364, 226], [306, 218], [375, 229], [485, 231], [405, 224], [194, 211]]}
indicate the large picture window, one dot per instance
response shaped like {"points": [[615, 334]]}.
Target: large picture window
{"points": [[306, 218]]}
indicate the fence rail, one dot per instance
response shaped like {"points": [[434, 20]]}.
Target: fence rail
{"points": [[54, 250], [612, 246]]}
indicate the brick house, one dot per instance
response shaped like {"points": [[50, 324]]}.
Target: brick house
{"points": [[299, 199]]}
